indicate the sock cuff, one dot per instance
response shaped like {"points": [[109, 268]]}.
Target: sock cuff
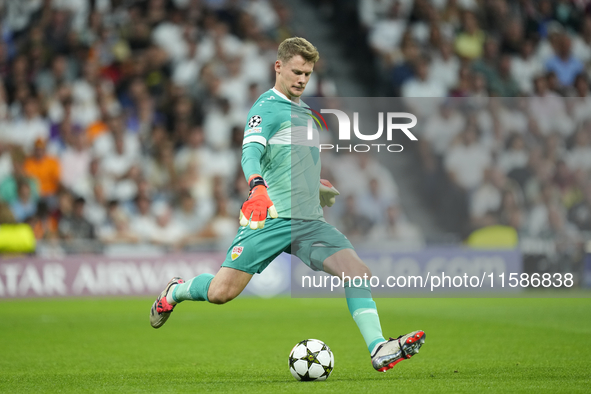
{"points": [[174, 289], [200, 286], [356, 283], [358, 292]]}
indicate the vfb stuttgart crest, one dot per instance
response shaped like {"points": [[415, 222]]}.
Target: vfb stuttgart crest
{"points": [[236, 252]]}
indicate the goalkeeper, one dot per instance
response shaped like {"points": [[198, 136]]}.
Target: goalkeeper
{"points": [[283, 212]]}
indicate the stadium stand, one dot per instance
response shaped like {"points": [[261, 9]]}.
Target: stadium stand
{"points": [[139, 107]]}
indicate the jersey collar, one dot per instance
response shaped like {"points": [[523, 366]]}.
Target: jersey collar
{"points": [[277, 92]]}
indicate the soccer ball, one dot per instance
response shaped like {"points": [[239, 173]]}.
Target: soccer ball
{"points": [[311, 360]]}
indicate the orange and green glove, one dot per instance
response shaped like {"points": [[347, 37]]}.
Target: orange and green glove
{"points": [[256, 206]]}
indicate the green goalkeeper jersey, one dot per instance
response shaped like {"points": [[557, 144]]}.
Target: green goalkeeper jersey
{"points": [[290, 163]]}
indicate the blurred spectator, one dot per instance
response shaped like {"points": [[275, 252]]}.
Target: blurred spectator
{"points": [[442, 127], [191, 214], [564, 64], [492, 200], [159, 169], [44, 225], [548, 110], [61, 72], [487, 66], [478, 90], [193, 150], [371, 11], [74, 225], [581, 111], [166, 229], [574, 193], [445, 66], [469, 41], [395, 229], [25, 205], [321, 83], [222, 225], [93, 175], [563, 177], [504, 85], [45, 169], [99, 126], [234, 86], [142, 221], [403, 69], [85, 95], [353, 223], [513, 37], [116, 229], [5, 161], [105, 143], [121, 169], [30, 128], [547, 199], [525, 67], [579, 156], [466, 161], [421, 85], [514, 156], [463, 88], [8, 184], [96, 204], [218, 124], [541, 174], [513, 117], [386, 33], [580, 214], [581, 45], [374, 202], [75, 161], [559, 230], [364, 168]]}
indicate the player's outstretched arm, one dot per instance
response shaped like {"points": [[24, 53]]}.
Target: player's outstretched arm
{"points": [[328, 193], [257, 204]]}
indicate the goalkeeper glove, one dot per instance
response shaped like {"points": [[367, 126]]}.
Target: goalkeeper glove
{"points": [[328, 193], [257, 204]]}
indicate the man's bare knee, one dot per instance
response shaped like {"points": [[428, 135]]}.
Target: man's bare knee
{"points": [[227, 285], [346, 262], [220, 298], [363, 268], [360, 270], [221, 295]]}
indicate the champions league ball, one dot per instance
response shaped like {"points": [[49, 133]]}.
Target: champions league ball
{"points": [[311, 360]]}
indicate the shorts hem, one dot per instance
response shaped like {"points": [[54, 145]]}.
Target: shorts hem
{"points": [[239, 269]]}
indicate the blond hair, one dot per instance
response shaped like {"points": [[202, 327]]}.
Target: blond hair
{"points": [[294, 46]]}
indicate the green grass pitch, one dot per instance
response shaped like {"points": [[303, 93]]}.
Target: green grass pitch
{"points": [[473, 345]]}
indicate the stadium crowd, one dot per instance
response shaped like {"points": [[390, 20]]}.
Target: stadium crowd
{"points": [[121, 121], [524, 162]]}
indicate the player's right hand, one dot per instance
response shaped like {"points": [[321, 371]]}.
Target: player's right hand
{"points": [[255, 208]]}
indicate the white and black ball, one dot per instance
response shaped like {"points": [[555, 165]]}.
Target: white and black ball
{"points": [[311, 360]]}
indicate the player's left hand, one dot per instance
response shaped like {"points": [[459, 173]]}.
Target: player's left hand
{"points": [[328, 193], [256, 206]]}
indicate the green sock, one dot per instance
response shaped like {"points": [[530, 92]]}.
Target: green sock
{"points": [[364, 312], [193, 290]]}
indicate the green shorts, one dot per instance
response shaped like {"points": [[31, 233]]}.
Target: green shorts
{"points": [[312, 241]]}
